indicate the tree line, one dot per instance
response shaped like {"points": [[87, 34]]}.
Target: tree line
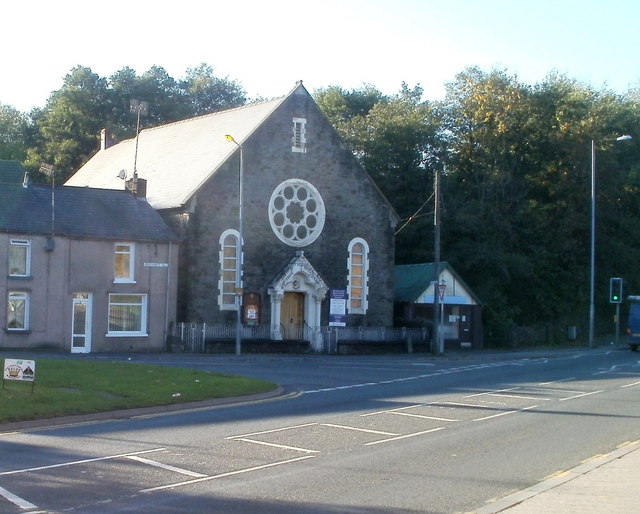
{"points": [[515, 161]]}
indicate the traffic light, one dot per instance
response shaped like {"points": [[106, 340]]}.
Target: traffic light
{"points": [[615, 290]]}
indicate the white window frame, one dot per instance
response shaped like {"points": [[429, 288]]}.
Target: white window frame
{"points": [[228, 275], [25, 246], [119, 250], [302, 196], [352, 278], [19, 296], [143, 314], [299, 137]]}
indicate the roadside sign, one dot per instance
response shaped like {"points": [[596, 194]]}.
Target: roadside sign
{"points": [[21, 370]]}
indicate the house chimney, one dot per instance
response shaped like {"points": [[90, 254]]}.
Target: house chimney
{"points": [[106, 139], [137, 186]]}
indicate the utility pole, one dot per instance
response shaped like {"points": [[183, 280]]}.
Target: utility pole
{"points": [[436, 343]]}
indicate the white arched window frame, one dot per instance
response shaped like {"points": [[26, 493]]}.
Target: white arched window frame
{"points": [[229, 269], [358, 276]]}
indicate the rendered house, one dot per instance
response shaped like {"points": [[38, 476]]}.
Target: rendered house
{"points": [[461, 308], [313, 221], [84, 270]]}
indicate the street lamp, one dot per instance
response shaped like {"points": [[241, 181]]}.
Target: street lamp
{"points": [[239, 249], [593, 237]]}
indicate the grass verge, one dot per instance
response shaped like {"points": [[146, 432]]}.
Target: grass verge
{"points": [[80, 387]]}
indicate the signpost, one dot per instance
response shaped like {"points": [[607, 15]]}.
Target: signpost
{"points": [[338, 308], [21, 370]]}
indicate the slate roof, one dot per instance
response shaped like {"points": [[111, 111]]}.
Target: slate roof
{"points": [[11, 172], [80, 212], [176, 159], [411, 280]]}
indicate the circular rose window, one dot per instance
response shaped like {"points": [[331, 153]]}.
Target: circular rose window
{"points": [[296, 212]]}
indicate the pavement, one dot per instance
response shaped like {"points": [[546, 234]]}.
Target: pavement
{"points": [[604, 484]]}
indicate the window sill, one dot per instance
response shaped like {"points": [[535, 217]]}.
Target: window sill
{"points": [[20, 277], [18, 331], [126, 334]]}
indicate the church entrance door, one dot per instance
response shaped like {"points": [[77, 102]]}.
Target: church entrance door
{"points": [[292, 316]]}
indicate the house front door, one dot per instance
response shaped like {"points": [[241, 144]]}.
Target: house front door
{"points": [[292, 316], [81, 323]]}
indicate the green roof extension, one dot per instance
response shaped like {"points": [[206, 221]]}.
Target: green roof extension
{"points": [[11, 172], [411, 280]]}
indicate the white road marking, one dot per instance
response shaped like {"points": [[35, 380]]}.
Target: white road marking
{"points": [[391, 411], [631, 385], [422, 416], [16, 500], [224, 475], [519, 397], [272, 431], [406, 436], [579, 396], [505, 413], [165, 466], [555, 389], [458, 404], [556, 381], [491, 392], [436, 373], [274, 445], [83, 461], [358, 429]]}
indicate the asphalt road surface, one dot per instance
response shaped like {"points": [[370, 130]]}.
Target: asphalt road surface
{"points": [[374, 434]]}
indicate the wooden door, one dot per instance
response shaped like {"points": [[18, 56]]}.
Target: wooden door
{"points": [[292, 316]]}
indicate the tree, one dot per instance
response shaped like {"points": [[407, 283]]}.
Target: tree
{"points": [[65, 132], [208, 93], [13, 125], [69, 125], [396, 139]]}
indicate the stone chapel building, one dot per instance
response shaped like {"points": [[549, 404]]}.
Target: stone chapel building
{"points": [[314, 225]]}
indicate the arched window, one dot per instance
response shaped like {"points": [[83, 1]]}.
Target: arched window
{"points": [[358, 280], [229, 269]]}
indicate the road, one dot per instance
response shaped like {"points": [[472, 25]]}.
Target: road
{"points": [[375, 434]]}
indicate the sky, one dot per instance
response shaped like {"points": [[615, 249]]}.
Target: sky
{"points": [[268, 45]]}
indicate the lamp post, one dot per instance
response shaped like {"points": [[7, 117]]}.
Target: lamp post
{"points": [[592, 274], [239, 248]]}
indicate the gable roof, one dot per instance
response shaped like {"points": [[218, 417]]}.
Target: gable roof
{"points": [[11, 172], [80, 212], [176, 159], [411, 280]]}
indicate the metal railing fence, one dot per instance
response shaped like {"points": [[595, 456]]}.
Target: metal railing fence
{"points": [[195, 335]]}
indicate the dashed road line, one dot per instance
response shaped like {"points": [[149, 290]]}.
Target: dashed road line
{"points": [[437, 373]]}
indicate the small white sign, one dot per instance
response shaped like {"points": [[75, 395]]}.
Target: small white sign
{"points": [[17, 369], [156, 265]]}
